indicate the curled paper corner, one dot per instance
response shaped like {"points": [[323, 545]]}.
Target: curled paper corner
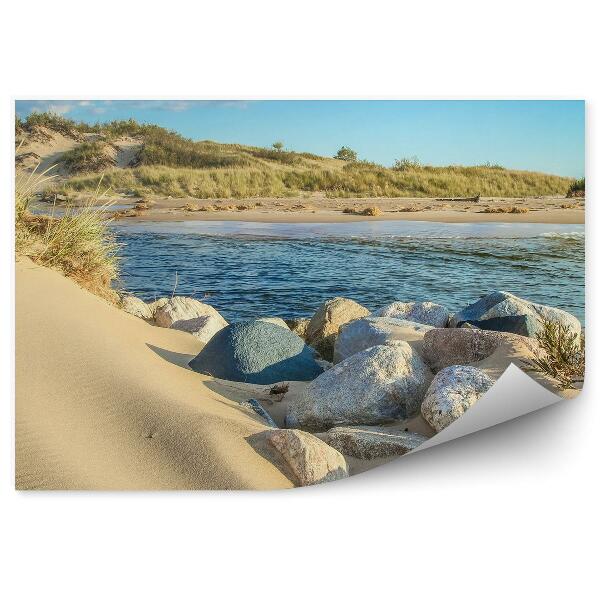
{"points": [[513, 395]]}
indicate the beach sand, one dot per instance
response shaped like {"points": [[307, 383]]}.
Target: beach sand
{"points": [[319, 209], [104, 401]]}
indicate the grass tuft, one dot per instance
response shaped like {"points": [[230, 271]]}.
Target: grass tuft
{"points": [[78, 244], [562, 355]]}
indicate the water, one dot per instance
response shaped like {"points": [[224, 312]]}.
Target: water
{"points": [[261, 269]]}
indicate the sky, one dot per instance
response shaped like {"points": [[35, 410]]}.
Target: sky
{"points": [[547, 136]]}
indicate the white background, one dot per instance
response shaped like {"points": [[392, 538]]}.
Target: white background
{"points": [[508, 513]]}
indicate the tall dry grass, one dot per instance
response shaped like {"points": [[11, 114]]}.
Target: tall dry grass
{"points": [[78, 243]]}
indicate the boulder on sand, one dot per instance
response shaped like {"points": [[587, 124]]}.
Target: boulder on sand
{"points": [[524, 325], [368, 442], [498, 305], [375, 331], [377, 385], [180, 308], [325, 323], [257, 352], [452, 392], [427, 313], [204, 328], [136, 307], [310, 459], [445, 347]]}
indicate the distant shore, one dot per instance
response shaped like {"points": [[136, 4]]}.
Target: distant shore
{"points": [[552, 210]]}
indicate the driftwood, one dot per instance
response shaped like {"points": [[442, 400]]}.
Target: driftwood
{"points": [[473, 199]]}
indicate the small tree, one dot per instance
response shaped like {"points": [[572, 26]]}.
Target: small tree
{"points": [[278, 146], [347, 154]]}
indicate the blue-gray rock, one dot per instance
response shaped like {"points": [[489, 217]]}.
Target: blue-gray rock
{"points": [[520, 324], [257, 352], [503, 304]]}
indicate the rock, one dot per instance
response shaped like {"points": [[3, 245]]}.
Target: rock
{"points": [[374, 331], [327, 320], [136, 307], [274, 320], [257, 352], [452, 392], [427, 313], [204, 328], [445, 347], [525, 325], [156, 304], [377, 385], [254, 404], [180, 308], [503, 304], [310, 459], [373, 442], [298, 326]]}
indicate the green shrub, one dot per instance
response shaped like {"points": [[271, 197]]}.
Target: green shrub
{"points": [[347, 154]]}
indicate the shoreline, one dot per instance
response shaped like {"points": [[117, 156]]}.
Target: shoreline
{"points": [[565, 217], [319, 209]]}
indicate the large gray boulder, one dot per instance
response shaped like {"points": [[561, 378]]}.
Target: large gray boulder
{"points": [[445, 347], [257, 352], [322, 329], [369, 442], [452, 392], [308, 458], [427, 313], [499, 305], [180, 308], [204, 328], [375, 331], [377, 385], [136, 307]]}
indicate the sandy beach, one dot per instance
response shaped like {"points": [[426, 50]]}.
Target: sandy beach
{"points": [[319, 209]]}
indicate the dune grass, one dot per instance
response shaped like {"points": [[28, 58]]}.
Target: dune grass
{"points": [[88, 157], [257, 182], [78, 244], [561, 355], [169, 164], [576, 189]]}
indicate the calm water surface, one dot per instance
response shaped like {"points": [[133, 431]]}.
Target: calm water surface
{"points": [[264, 269]]}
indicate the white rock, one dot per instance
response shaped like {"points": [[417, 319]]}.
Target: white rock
{"points": [[427, 313], [310, 459], [452, 392], [368, 442], [181, 308], [375, 331], [201, 327], [377, 385], [137, 307]]}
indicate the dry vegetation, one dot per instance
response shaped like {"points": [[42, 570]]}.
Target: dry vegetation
{"points": [[370, 211], [78, 244], [515, 210], [171, 165], [562, 354]]}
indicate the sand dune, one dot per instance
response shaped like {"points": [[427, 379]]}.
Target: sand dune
{"points": [[103, 401]]}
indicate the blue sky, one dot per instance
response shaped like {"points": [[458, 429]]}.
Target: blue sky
{"points": [[535, 135]]}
